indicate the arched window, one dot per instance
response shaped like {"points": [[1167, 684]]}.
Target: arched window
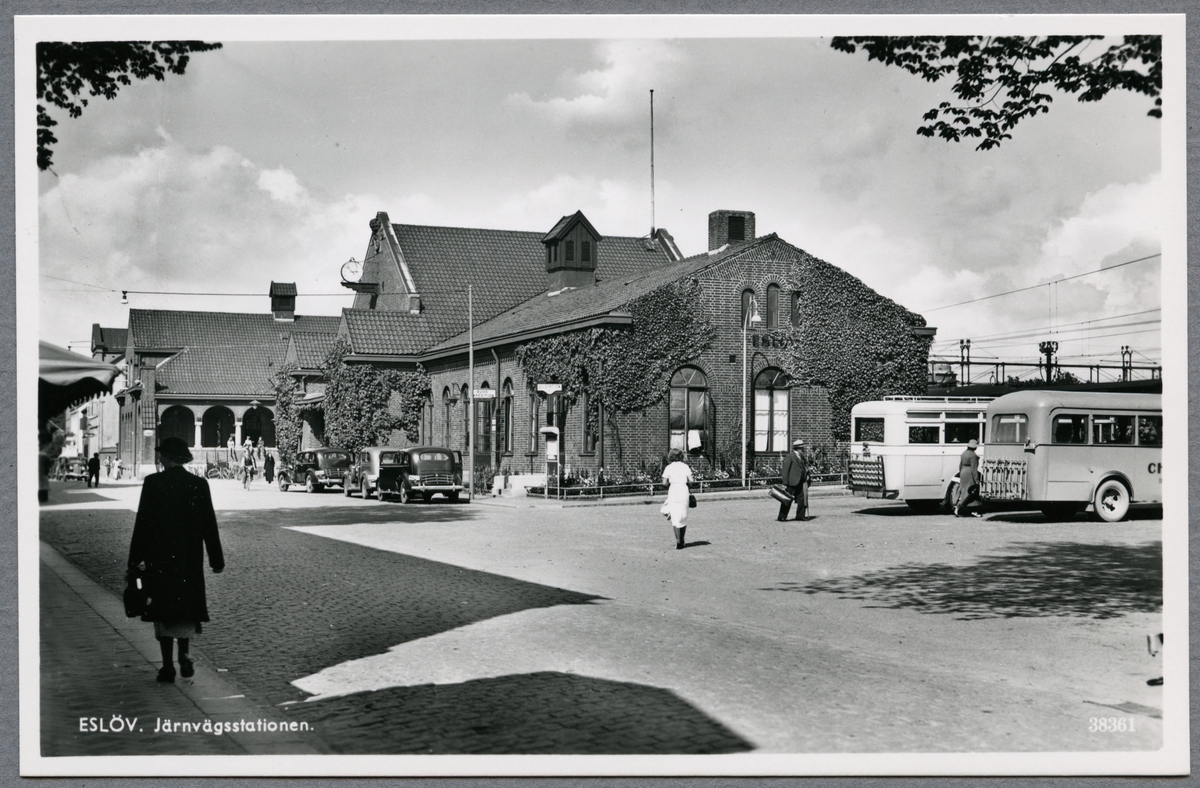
{"points": [[771, 409], [216, 427], [465, 399], [178, 422], [447, 404], [747, 301], [483, 422], [504, 427], [690, 412], [772, 306], [259, 422]]}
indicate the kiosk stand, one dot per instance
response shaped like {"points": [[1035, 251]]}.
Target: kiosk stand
{"points": [[553, 458]]}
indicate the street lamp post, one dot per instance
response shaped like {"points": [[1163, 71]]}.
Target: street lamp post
{"points": [[750, 317]]}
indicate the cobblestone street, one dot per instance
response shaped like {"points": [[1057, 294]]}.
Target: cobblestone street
{"points": [[521, 626]]}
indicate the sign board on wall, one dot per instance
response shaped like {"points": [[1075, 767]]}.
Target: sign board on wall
{"points": [[549, 388], [484, 393]]}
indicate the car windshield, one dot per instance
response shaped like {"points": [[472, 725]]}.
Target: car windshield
{"points": [[389, 458], [433, 460]]}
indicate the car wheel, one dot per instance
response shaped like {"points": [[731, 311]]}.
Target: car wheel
{"points": [[405, 493], [366, 490], [310, 486], [1111, 501], [346, 488], [283, 484]]}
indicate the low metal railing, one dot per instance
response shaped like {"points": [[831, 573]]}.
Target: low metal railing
{"points": [[643, 488], [1003, 480]]}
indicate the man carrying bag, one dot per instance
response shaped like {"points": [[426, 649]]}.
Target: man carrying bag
{"points": [[795, 479]]}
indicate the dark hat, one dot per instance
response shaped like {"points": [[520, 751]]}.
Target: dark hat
{"points": [[174, 449], [972, 444]]}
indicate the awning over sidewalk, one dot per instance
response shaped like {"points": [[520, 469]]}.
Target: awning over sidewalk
{"points": [[66, 379]]}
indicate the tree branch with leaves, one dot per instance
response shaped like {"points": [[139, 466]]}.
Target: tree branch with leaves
{"points": [[66, 69], [1002, 80]]}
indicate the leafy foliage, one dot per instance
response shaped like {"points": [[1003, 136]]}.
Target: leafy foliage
{"points": [[1001, 79], [287, 416], [855, 342], [364, 403], [65, 69], [1061, 377], [626, 370]]}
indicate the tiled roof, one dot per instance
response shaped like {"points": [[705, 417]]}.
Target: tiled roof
{"points": [[223, 352], [109, 340], [311, 348], [506, 267], [602, 298], [392, 333]]}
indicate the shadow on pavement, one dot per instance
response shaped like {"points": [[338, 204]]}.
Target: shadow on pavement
{"points": [[1152, 513], [343, 515], [291, 603], [61, 497], [895, 510], [1033, 579], [536, 713]]}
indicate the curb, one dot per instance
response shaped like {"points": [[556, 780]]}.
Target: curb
{"points": [[731, 495]]}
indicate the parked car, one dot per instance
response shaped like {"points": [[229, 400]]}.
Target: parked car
{"points": [[429, 470], [375, 472], [317, 469], [71, 468]]}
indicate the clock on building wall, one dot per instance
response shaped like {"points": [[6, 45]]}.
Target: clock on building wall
{"points": [[352, 270]]}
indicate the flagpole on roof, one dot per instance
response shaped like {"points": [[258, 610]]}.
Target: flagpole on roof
{"points": [[653, 219], [471, 388]]}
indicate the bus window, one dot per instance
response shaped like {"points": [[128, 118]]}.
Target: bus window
{"points": [[924, 435], [1010, 428], [935, 415], [963, 431], [1069, 428], [868, 430], [1112, 429], [1150, 430]]}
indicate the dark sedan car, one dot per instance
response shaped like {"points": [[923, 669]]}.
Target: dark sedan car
{"points": [[317, 469]]}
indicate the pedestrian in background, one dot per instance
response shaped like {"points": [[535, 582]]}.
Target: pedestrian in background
{"points": [[93, 477], [677, 474], [108, 467], [259, 448], [795, 479], [269, 468], [968, 480], [248, 466], [175, 525], [117, 468]]}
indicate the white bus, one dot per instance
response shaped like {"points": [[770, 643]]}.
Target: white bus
{"points": [[908, 448], [1067, 450]]}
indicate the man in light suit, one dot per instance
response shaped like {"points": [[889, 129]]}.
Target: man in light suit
{"points": [[795, 478]]}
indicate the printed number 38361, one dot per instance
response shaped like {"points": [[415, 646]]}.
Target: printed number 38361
{"points": [[1110, 724]]}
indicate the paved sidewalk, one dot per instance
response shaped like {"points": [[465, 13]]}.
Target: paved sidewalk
{"points": [[757, 493], [98, 666]]}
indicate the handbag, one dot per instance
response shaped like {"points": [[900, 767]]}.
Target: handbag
{"points": [[136, 595], [781, 494], [691, 501]]}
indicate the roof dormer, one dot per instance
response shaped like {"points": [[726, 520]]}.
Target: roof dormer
{"points": [[572, 248]]}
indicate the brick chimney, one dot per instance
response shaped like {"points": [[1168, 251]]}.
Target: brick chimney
{"points": [[572, 247], [729, 227], [283, 300]]}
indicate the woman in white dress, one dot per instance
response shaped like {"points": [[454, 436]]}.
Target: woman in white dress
{"points": [[677, 474]]}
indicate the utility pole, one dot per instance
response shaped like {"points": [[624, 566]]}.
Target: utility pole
{"points": [[1048, 349], [471, 390], [964, 361], [1126, 362]]}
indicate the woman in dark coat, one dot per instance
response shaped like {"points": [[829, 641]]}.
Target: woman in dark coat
{"points": [[269, 468], [175, 524]]}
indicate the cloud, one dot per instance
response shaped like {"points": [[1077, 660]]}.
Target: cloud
{"points": [[608, 98], [167, 218]]}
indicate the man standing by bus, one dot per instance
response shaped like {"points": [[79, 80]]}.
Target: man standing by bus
{"points": [[968, 480], [795, 478]]}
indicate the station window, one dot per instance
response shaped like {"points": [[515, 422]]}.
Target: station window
{"points": [[772, 306], [690, 412], [771, 410], [569, 257]]}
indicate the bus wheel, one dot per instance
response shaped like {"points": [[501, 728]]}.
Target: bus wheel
{"points": [[925, 507], [1111, 501], [947, 504]]}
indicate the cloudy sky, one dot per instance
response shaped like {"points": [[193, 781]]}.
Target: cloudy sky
{"points": [[266, 161]]}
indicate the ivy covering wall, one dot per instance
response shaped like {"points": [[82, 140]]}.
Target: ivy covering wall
{"points": [[848, 338], [287, 416], [364, 403]]}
